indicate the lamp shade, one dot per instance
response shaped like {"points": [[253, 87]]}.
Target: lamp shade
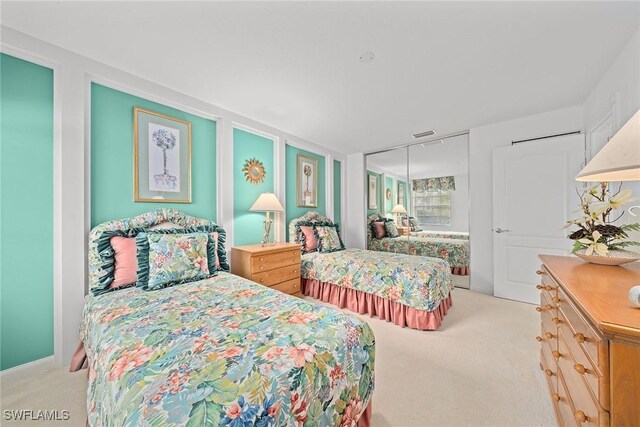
{"points": [[398, 209], [619, 159], [267, 202]]}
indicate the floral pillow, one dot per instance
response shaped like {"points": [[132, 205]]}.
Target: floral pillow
{"points": [[328, 237], [391, 229], [413, 223], [169, 259]]}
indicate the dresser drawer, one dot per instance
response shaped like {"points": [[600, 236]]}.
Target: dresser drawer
{"points": [[548, 287], [548, 347], [564, 405], [582, 383], [272, 261], [289, 287], [273, 277], [580, 334]]}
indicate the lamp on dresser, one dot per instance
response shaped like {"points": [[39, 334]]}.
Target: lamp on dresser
{"points": [[267, 202], [398, 210]]}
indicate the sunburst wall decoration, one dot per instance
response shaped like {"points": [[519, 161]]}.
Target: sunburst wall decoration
{"points": [[254, 171]]}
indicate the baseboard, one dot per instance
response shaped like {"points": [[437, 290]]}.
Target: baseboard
{"points": [[36, 366]]}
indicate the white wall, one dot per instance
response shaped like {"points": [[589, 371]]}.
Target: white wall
{"points": [[354, 231], [73, 75], [482, 141]]}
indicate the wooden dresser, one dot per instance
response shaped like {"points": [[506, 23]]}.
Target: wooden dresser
{"points": [[403, 231], [590, 341], [276, 266]]}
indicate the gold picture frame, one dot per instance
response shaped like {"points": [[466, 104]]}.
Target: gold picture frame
{"points": [[306, 181], [160, 174]]}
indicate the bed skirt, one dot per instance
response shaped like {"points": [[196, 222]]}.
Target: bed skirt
{"points": [[365, 303], [460, 271]]}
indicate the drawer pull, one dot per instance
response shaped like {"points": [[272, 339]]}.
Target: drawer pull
{"points": [[556, 300], [549, 335], [295, 271], [580, 368], [539, 287], [555, 397], [556, 354], [549, 307], [262, 259], [539, 272], [539, 338], [580, 337], [539, 309], [549, 288], [262, 267], [556, 320], [549, 372], [581, 416]]}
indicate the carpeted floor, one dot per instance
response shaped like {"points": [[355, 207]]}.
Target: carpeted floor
{"points": [[479, 369]]}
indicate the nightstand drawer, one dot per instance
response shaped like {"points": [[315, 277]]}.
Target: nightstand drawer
{"points": [[273, 277], [266, 262], [289, 287]]}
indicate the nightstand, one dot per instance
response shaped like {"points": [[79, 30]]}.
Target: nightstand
{"points": [[276, 266], [403, 231]]}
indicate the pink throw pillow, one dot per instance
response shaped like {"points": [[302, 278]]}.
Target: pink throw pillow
{"points": [[380, 230], [311, 243], [126, 269]]}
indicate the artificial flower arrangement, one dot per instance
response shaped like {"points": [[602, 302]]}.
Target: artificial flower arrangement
{"points": [[596, 234]]}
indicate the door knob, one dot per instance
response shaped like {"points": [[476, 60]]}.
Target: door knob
{"points": [[501, 230]]}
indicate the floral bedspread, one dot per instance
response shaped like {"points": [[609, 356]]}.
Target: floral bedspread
{"points": [[460, 235], [417, 282], [456, 252], [223, 351]]}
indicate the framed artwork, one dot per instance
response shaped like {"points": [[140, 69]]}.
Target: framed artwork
{"points": [[401, 192], [372, 185], [161, 158], [307, 182], [254, 171]]}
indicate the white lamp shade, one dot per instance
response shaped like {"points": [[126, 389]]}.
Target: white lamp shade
{"points": [[398, 209], [267, 202], [619, 159]]}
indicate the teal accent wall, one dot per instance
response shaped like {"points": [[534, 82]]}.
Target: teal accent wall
{"points": [[112, 158], [293, 211], [389, 204], [248, 226], [26, 212], [337, 192], [380, 191]]}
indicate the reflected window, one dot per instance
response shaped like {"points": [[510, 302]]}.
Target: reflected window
{"points": [[432, 207]]}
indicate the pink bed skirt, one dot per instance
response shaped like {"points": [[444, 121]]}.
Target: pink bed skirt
{"points": [[460, 271], [364, 303], [365, 418]]}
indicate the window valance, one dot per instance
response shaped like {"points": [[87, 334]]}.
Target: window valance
{"points": [[443, 183]]}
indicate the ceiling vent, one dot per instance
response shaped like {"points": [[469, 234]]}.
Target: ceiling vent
{"points": [[423, 134]]}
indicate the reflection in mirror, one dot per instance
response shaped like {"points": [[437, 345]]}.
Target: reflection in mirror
{"points": [[423, 189]]}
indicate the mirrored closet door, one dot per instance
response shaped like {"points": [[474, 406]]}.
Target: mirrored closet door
{"points": [[423, 189]]}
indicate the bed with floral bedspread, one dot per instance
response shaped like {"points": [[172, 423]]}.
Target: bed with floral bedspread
{"points": [[441, 234], [220, 351], [406, 290]]}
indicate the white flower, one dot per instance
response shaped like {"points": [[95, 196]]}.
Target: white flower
{"points": [[616, 202], [593, 245]]}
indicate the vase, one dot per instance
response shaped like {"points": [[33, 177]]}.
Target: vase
{"points": [[614, 257]]}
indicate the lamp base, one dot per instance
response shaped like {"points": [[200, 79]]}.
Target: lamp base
{"points": [[266, 239]]}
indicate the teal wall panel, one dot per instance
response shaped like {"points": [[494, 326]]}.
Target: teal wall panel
{"points": [[380, 191], [389, 203], [248, 226], [293, 211], [337, 191], [112, 158], [26, 212]]}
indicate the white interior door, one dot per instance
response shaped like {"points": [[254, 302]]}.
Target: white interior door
{"points": [[534, 193]]}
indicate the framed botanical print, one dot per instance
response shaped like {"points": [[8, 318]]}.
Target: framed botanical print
{"points": [[372, 186], [402, 188], [161, 157], [307, 182]]}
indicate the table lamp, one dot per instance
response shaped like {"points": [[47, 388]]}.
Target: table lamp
{"points": [[398, 209], [618, 160], [267, 202]]}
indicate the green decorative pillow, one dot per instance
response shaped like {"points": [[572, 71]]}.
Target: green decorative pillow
{"points": [[392, 230], [169, 259], [328, 237]]}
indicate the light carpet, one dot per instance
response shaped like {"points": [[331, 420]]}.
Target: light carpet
{"points": [[479, 369]]}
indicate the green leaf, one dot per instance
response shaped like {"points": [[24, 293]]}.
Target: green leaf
{"points": [[224, 391], [204, 413], [156, 337], [211, 372], [256, 387]]}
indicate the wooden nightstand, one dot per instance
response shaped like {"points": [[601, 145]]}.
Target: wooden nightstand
{"points": [[276, 266], [403, 231]]}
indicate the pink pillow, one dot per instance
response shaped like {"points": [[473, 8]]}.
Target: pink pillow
{"points": [[126, 261], [380, 230], [311, 243]]}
